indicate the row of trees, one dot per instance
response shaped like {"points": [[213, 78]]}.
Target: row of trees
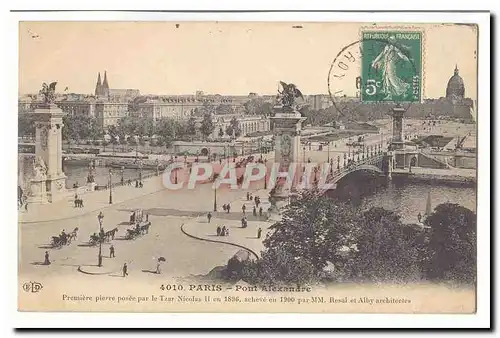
{"points": [[320, 239]]}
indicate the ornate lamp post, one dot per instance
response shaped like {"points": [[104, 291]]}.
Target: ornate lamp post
{"points": [[338, 162], [121, 172], [140, 171], [215, 193], [99, 253], [328, 151], [110, 189], [265, 177]]}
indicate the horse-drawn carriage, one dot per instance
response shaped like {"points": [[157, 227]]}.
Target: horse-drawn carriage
{"points": [[63, 238], [103, 236], [139, 230]]}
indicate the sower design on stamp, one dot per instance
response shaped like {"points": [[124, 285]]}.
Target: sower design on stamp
{"points": [[391, 66]]}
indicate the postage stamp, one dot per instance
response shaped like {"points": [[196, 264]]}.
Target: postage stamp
{"points": [[162, 179], [391, 66]]}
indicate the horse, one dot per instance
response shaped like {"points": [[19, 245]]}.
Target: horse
{"points": [[72, 235], [110, 234]]}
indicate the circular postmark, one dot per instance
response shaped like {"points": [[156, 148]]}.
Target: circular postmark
{"points": [[381, 72]]}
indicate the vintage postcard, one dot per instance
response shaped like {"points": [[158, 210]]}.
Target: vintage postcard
{"points": [[247, 167]]}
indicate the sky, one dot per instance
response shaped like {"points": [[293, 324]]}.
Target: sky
{"points": [[232, 58]]}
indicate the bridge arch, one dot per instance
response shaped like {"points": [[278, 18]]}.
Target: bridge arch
{"points": [[347, 171]]}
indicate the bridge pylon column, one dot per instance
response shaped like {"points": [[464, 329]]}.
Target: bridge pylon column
{"points": [[388, 164]]}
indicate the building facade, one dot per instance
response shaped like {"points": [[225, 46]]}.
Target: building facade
{"points": [[108, 113], [249, 124]]}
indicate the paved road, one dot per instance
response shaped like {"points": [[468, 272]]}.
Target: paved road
{"points": [[167, 209]]}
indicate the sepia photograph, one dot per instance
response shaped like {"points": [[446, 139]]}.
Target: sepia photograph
{"points": [[248, 167]]}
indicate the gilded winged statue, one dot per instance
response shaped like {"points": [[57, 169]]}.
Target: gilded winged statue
{"points": [[48, 92], [289, 94]]}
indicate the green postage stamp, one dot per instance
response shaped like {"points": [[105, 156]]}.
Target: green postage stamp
{"points": [[391, 66]]}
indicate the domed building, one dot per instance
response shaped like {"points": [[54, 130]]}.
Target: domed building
{"points": [[455, 90]]}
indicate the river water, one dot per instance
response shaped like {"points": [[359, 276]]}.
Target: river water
{"points": [[78, 174], [406, 198]]}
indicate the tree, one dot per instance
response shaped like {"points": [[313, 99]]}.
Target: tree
{"points": [[233, 127], [69, 129], [95, 131], [313, 231], [223, 109], [190, 128], [257, 106], [207, 125], [384, 251], [452, 244], [26, 125], [113, 133]]}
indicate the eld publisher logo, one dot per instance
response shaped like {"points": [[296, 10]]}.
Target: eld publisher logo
{"points": [[32, 287]]}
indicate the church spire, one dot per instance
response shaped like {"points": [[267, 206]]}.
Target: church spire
{"points": [[98, 86], [105, 85], [456, 69]]}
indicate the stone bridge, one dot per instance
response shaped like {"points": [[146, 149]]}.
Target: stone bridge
{"points": [[371, 162]]}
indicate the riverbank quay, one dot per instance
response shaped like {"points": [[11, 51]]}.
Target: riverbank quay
{"points": [[434, 176]]}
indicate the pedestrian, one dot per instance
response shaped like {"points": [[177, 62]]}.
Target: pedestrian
{"points": [[243, 208], [137, 184], [158, 271], [223, 231], [259, 232], [26, 206], [224, 207], [419, 217], [111, 251], [248, 196], [226, 233], [254, 211], [47, 260], [228, 208], [125, 270], [243, 222], [147, 217], [218, 230], [209, 216], [260, 211]]}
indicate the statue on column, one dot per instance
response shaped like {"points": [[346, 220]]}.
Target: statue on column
{"points": [[288, 95], [48, 93], [90, 176], [40, 168]]}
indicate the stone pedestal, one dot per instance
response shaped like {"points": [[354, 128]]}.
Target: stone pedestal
{"points": [[287, 129], [403, 156], [48, 155], [38, 193], [398, 141]]}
